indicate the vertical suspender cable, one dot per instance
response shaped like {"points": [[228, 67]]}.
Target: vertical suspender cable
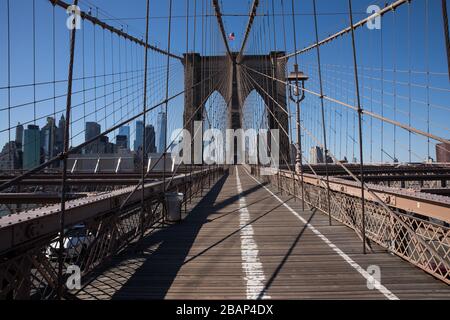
{"points": [[34, 61], [285, 50], [360, 112], [127, 91], [83, 63], [9, 76], [323, 113], [202, 76], [120, 80], [409, 83], [192, 94], [427, 63], [382, 95], [113, 79], [144, 112], [167, 95], [54, 72], [273, 27], [394, 57], [95, 72], [104, 73], [371, 98], [64, 157], [288, 104], [186, 57], [446, 33]]}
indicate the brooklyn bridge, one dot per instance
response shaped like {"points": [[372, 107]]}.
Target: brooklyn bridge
{"points": [[116, 183]]}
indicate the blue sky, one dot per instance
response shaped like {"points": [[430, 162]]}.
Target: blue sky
{"points": [[412, 40]]}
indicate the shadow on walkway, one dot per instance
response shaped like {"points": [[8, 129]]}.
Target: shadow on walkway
{"points": [[155, 276], [150, 271]]}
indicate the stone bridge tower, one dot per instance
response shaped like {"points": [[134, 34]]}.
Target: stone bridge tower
{"points": [[204, 75]]}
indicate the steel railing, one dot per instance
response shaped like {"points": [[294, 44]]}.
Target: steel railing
{"points": [[422, 240], [96, 230]]}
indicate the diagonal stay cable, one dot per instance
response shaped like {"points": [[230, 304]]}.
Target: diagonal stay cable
{"points": [[120, 33], [364, 111]]}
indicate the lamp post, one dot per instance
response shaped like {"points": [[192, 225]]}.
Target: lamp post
{"points": [[294, 79]]}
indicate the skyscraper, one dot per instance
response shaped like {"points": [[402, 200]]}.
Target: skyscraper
{"points": [[150, 139], [31, 147], [59, 136], [139, 133], [19, 136], [48, 136], [316, 155], [92, 130], [11, 157], [162, 126], [122, 142], [125, 131]]}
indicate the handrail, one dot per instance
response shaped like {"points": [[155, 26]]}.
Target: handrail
{"points": [[21, 228], [427, 205], [417, 239]]}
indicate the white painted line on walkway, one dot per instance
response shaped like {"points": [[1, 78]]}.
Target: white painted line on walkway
{"points": [[386, 292], [251, 265]]}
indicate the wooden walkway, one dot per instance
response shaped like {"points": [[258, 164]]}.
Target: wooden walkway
{"points": [[243, 242]]}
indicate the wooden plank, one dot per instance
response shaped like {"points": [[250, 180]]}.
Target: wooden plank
{"points": [[201, 258]]}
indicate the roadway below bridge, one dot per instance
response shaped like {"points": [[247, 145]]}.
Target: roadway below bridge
{"points": [[245, 240]]}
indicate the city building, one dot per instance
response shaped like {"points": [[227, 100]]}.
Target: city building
{"points": [[150, 139], [122, 142], [92, 130], [59, 136], [125, 131], [19, 136], [11, 156], [31, 147], [48, 136], [162, 128], [104, 146], [139, 135], [316, 155]]}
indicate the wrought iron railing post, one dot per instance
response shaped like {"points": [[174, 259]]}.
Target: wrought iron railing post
{"points": [[293, 186], [185, 193]]}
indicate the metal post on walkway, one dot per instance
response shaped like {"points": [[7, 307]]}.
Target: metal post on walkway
{"points": [[185, 193], [299, 157]]}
